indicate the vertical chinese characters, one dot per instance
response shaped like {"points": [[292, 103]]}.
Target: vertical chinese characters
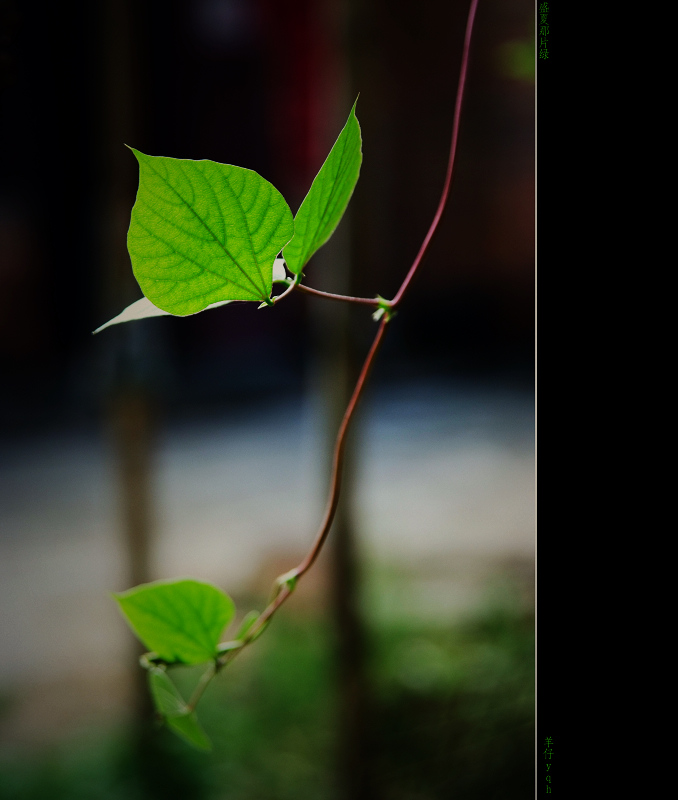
{"points": [[543, 30], [548, 752]]}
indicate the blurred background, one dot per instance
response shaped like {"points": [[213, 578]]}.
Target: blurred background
{"points": [[403, 666]]}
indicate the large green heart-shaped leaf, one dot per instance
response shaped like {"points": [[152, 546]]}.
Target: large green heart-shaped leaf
{"points": [[326, 201], [203, 232], [180, 620]]}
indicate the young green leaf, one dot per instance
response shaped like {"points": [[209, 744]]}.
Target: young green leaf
{"points": [[170, 704], [248, 620], [203, 232], [188, 728], [180, 620], [142, 309], [326, 201], [166, 697]]}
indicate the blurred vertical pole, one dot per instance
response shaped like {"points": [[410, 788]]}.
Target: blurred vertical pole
{"points": [[129, 408], [334, 378], [150, 770], [336, 371], [311, 102]]}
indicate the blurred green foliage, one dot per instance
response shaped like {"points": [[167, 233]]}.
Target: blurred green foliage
{"points": [[455, 719], [516, 60]]}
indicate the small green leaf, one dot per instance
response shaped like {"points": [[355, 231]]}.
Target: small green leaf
{"points": [[142, 309], [248, 623], [166, 697], [181, 620], [248, 620], [203, 232], [290, 578], [326, 201], [188, 728], [170, 704]]}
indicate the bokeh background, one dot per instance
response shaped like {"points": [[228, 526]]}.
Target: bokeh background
{"points": [[403, 666]]}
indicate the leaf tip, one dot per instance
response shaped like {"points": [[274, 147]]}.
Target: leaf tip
{"points": [[137, 153]]}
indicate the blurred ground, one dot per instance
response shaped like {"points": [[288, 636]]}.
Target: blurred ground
{"points": [[445, 512]]}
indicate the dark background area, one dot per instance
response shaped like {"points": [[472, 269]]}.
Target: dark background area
{"points": [[266, 85]]}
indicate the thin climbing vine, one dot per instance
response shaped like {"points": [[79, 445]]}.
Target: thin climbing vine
{"points": [[202, 235]]}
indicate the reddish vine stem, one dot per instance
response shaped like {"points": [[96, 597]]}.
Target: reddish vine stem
{"points": [[338, 460], [367, 301], [450, 164], [284, 589], [202, 685], [443, 197], [285, 583], [279, 297]]}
